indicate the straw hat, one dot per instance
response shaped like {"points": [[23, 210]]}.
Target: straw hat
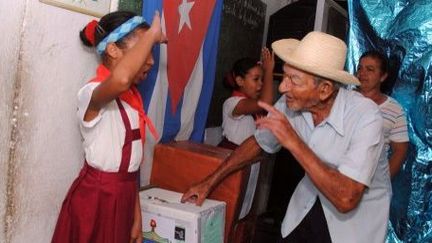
{"points": [[317, 53]]}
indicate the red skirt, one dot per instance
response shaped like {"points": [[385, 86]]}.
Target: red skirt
{"points": [[99, 208]]}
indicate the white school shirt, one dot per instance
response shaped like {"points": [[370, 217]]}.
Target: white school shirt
{"points": [[237, 129], [350, 140], [103, 137]]}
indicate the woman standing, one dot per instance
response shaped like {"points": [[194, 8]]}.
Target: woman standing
{"points": [[372, 72]]}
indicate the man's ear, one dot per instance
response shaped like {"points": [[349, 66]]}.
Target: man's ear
{"points": [[112, 51], [325, 89]]}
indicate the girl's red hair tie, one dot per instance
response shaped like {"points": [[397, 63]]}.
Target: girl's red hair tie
{"points": [[90, 31]]}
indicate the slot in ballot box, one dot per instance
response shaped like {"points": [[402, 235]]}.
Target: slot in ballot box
{"points": [[179, 165], [166, 219]]}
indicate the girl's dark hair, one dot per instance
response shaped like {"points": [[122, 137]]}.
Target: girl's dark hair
{"points": [[240, 68], [378, 56], [106, 25]]}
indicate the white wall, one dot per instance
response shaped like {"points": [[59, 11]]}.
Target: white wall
{"points": [[8, 67], [43, 65]]}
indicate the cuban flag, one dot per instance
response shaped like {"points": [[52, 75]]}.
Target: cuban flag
{"points": [[178, 90]]}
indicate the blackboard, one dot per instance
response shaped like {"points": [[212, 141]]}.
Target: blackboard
{"points": [[131, 5], [241, 35]]}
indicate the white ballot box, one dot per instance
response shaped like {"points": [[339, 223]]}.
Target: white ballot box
{"points": [[167, 220]]}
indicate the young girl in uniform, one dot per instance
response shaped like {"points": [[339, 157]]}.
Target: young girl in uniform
{"points": [[251, 82], [102, 204]]}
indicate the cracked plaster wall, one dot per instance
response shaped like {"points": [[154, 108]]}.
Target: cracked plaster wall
{"points": [[42, 66]]}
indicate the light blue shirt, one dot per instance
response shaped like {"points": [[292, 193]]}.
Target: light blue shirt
{"points": [[350, 140]]}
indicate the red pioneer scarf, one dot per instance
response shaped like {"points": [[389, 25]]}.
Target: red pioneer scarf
{"points": [[133, 98]]}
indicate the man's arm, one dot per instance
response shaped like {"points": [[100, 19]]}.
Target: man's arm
{"points": [[343, 192], [245, 154]]}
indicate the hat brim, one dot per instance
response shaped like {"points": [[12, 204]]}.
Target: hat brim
{"points": [[284, 49]]}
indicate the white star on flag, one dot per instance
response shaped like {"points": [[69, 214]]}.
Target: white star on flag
{"points": [[184, 10]]}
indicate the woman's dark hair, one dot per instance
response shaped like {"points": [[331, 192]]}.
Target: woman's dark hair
{"points": [[106, 25], [240, 68], [391, 68], [378, 56]]}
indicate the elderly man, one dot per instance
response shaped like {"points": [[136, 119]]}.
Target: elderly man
{"points": [[334, 134]]}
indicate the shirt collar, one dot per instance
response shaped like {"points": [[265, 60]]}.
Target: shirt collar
{"points": [[336, 117]]}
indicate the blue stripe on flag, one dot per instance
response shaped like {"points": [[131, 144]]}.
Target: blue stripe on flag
{"points": [[209, 56], [146, 87], [172, 121]]}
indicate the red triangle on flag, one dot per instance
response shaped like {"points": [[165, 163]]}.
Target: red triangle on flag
{"points": [[186, 26]]}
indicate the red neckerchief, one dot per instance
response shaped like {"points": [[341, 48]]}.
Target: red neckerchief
{"points": [[133, 98], [238, 94]]}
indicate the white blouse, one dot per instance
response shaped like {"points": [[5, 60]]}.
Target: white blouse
{"points": [[236, 128], [103, 137]]}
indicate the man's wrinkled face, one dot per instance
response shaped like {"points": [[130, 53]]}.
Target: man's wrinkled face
{"points": [[300, 89]]}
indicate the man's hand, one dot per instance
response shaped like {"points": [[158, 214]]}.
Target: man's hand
{"points": [[197, 193], [247, 153], [278, 124]]}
